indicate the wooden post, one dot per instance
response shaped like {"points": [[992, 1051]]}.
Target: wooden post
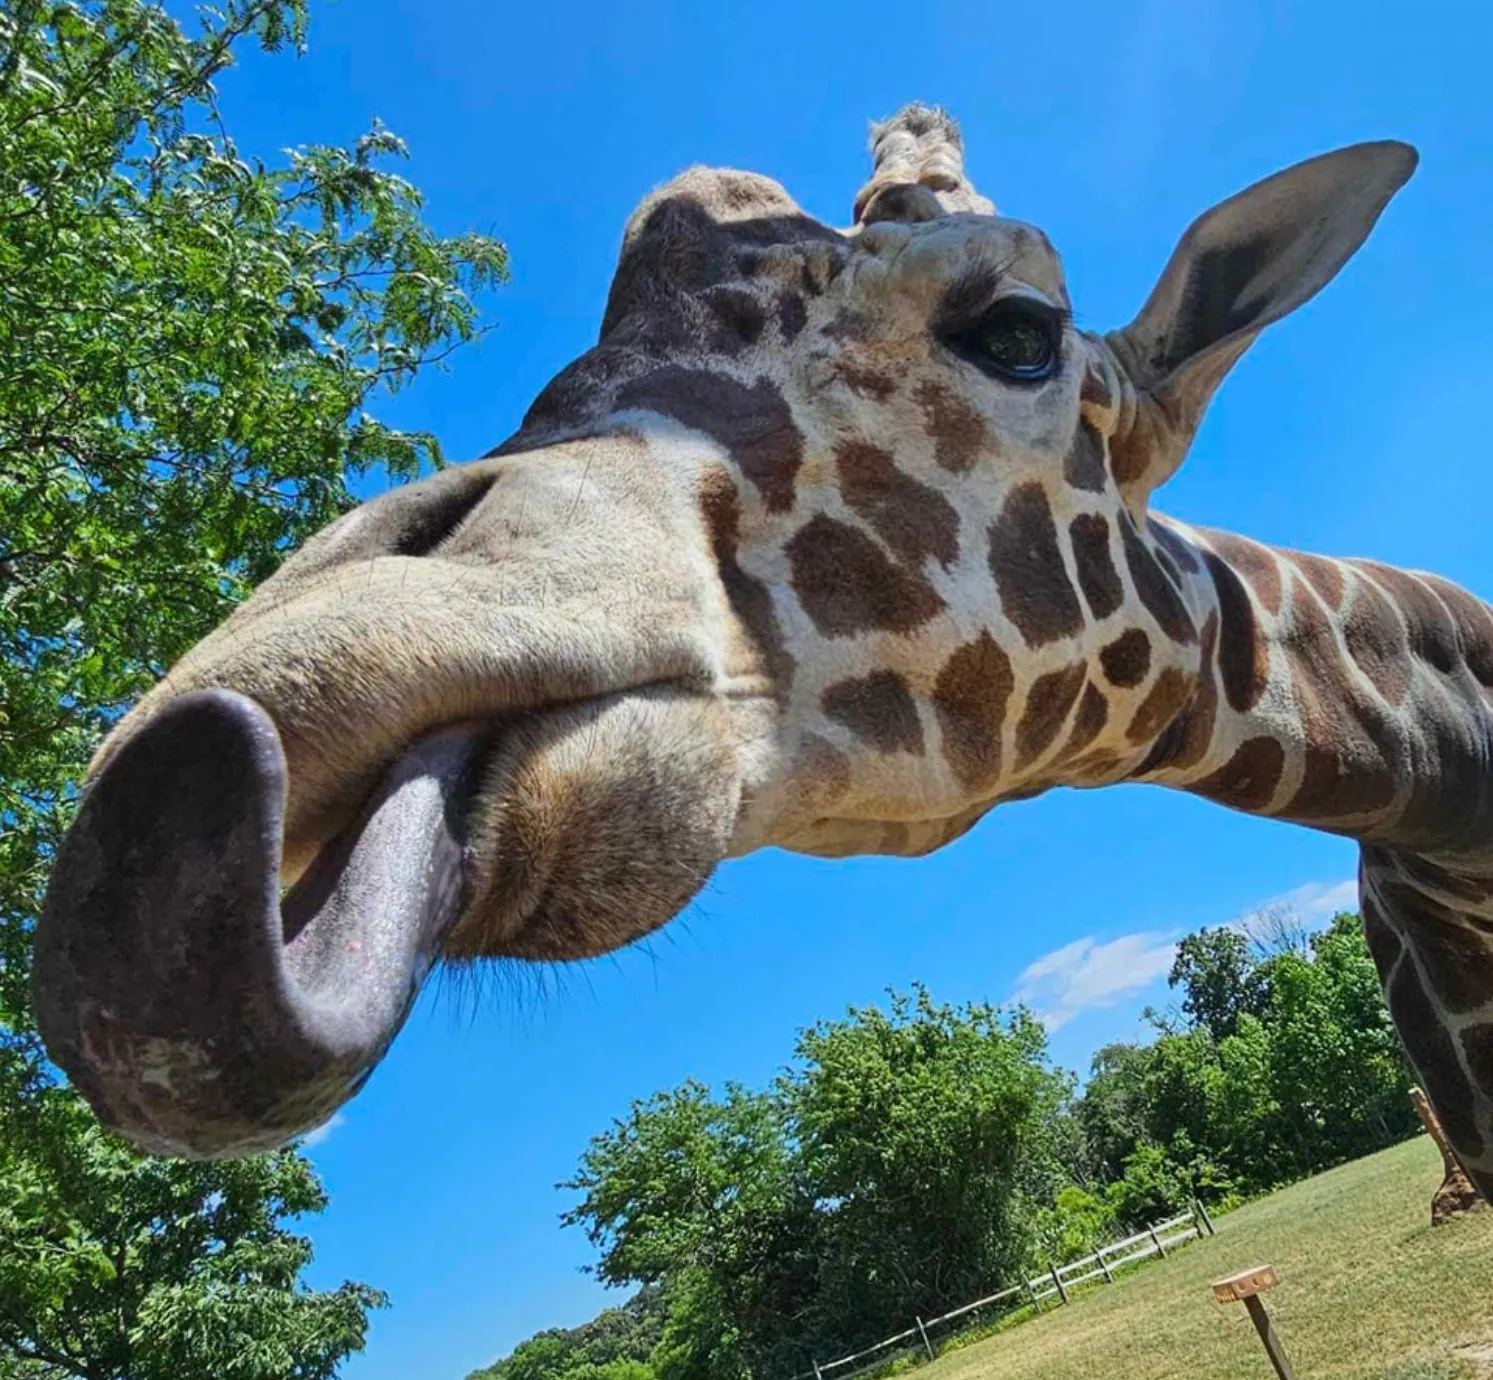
{"points": [[818, 1374], [1246, 1288], [923, 1333], [1032, 1295], [1457, 1193], [1099, 1255], [1156, 1241], [1200, 1211], [1058, 1280]]}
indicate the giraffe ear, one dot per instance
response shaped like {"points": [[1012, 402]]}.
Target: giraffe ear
{"points": [[1247, 262]]}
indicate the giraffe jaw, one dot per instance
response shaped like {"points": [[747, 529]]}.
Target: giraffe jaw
{"points": [[200, 1014]]}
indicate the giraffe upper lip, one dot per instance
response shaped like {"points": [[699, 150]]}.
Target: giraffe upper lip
{"points": [[199, 1013]]}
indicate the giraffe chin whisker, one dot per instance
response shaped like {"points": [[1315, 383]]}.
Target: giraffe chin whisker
{"points": [[200, 1013]]}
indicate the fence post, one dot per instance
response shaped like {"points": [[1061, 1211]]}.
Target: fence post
{"points": [[1099, 1256], [1032, 1294], [1058, 1280], [818, 1374], [923, 1333], [1200, 1210], [1156, 1241]]}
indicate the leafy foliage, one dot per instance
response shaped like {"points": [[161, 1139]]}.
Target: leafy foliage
{"points": [[614, 1345], [914, 1158], [892, 1170], [188, 340], [1289, 1064]]}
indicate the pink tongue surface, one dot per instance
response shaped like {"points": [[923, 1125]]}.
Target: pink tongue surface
{"points": [[197, 1016]]}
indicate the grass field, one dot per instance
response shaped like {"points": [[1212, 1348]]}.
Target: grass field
{"points": [[1368, 1291]]}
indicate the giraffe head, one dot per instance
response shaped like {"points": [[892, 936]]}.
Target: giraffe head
{"points": [[834, 541]]}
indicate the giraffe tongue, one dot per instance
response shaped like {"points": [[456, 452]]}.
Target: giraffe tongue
{"points": [[197, 1015]]}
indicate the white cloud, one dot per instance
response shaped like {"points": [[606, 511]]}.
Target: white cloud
{"points": [[320, 1133], [1088, 976], [1313, 903]]}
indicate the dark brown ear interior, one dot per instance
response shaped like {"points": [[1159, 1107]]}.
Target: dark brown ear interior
{"points": [[1243, 265]]}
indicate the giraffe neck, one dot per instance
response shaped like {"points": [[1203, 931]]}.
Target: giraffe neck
{"points": [[1340, 694]]}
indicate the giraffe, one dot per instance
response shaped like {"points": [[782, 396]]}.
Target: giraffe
{"points": [[837, 539]]}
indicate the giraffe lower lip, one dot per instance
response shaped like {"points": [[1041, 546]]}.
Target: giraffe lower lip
{"points": [[198, 1013]]}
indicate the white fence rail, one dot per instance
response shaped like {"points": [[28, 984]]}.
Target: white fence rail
{"points": [[1056, 1283]]}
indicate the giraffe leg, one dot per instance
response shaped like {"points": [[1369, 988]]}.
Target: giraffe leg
{"points": [[1431, 934]]}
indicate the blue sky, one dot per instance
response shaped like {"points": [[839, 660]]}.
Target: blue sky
{"points": [[1356, 427]]}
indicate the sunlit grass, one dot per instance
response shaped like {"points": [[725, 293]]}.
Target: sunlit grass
{"points": [[1368, 1291]]}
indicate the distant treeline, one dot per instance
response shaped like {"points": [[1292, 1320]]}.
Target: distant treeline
{"points": [[914, 1157]]}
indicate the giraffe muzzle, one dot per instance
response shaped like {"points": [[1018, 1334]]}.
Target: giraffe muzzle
{"points": [[201, 1013]]}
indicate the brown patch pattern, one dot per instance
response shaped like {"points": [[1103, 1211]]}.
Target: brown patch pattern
{"points": [[1323, 574], [1028, 568], [752, 423], [1350, 742], [1375, 639], [958, 431], [1474, 621], [1097, 576], [1048, 704], [1162, 704], [1088, 723], [1432, 634], [749, 597], [1083, 466], [1182, 552], [1243, 657], [1430, 1047], [1247, 781], [878, 709], [847, 584], [1159, 594], [740, 318], [912, 519], [970, 698], [1127, 659], [792, 315], [1254, 564]]}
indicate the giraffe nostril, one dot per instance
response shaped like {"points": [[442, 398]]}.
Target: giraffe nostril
{"points": [[428, 525]]}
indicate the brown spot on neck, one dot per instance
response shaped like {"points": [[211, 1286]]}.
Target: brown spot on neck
{"points": [[1243, 657], [958, 431], [878, 709], [1162, 704], [970, 697], [1097, 576], [1254, 564], [1028, 568], [1156, 591], [1127, 659], [1048, 704], [1088, 723], [915, 521], [1248, 780], [847, 584]]}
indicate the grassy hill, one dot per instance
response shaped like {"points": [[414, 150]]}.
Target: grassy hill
{"points": [[1369, 1291]]}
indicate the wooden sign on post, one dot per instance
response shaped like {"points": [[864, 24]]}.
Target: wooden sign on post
{"points": [[1246, 1287]]}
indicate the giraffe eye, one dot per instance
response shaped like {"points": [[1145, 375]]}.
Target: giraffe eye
{"points": [[1017, 341]]}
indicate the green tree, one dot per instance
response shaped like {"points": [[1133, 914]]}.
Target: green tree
{"points": [[700, 1195], [188, 342], [930, 1134], [1220, 980], [614, 1345]]}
